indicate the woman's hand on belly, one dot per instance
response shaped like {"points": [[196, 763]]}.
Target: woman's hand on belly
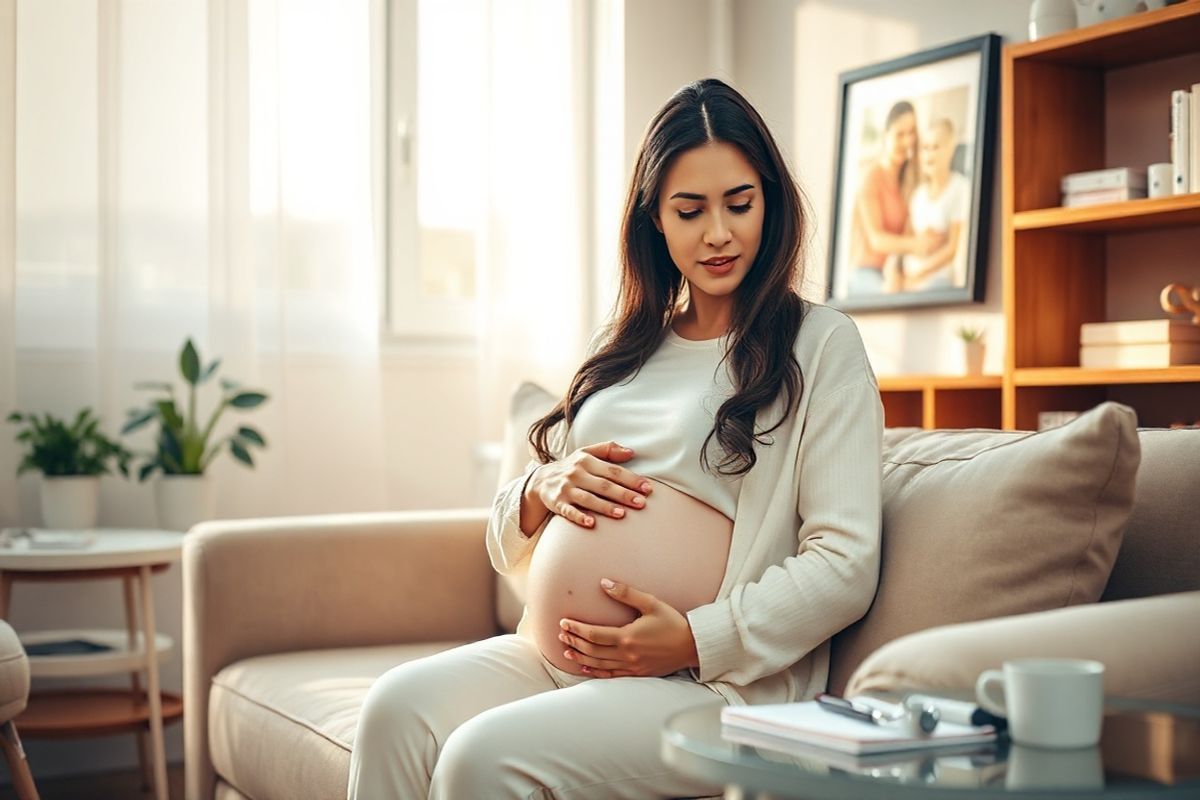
{"points": [[659, 642], [588, 480]]}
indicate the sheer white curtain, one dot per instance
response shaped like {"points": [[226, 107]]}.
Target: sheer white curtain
{"points": [[533, 321], [196, 169]]}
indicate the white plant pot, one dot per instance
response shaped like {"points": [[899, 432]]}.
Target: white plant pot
{"points": [[183, 500], [974, 353], [70, 501]]}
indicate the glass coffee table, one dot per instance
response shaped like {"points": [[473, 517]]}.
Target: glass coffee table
{"points": [[1148, 750]]}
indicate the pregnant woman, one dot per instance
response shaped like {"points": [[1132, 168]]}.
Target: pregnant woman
{"points": [[702, 514]]}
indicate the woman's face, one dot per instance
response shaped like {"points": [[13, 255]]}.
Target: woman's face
{"points": [[711, 207], [901, 137]]}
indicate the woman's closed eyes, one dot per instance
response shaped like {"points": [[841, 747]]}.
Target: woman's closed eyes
{"points": [[742, 209]]}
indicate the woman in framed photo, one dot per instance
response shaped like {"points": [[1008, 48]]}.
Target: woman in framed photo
{"points": [[880, 224], [702, 514]]}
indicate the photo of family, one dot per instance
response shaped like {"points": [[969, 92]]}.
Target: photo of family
{"points": [[913, 185]]}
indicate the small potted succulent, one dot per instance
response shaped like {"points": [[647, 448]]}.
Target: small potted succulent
{"points": [[974, 349], [71, 458], [184, 449]]}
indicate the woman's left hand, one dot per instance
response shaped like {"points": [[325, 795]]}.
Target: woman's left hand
{"points": [[657, 643]]}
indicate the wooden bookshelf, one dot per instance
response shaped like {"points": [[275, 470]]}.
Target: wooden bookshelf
{"points": [[941, 401], [1057, 264]]}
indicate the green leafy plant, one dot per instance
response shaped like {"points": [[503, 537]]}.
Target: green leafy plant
{"points": [[183, 447], [969, 334], [59, 449]]}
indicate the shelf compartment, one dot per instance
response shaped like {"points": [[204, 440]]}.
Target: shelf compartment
{"points": [[941, 401], [118, 660], [1158, 405], [1129, 215], [67, 713], [1078, 376], [1133, 39]]}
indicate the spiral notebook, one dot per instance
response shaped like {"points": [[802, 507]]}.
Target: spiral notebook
{"points": [[808, 722]]}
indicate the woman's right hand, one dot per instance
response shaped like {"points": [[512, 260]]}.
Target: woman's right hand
{"points": [[590, 480]]}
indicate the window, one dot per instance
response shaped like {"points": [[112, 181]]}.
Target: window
{"points": [[436, 184]]}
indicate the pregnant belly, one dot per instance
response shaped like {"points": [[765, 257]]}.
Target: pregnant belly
{"points": [[675, 548]]}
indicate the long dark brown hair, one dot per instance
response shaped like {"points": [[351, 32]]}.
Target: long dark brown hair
{"points": [[767, 309]]}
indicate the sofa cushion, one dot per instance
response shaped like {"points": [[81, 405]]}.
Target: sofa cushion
{"points": [[1149, 647], [1160, 551], [982, 523], [282, 726], [530, 403]]}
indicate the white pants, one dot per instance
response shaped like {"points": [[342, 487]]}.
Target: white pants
{"points": [[494, 719]]}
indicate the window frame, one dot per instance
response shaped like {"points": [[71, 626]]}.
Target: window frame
{"points": [[406, 316]]}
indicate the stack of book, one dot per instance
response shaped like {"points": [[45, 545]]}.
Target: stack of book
{"points": [[1103, 186], [1142, 344]]}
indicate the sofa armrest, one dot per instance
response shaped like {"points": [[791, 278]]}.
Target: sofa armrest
{"points": [[273, 585], [1149, 647]]}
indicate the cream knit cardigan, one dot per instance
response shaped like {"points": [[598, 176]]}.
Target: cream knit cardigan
{"points": [[804, 558]]}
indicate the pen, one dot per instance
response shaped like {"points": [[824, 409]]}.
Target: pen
{"points": [[840, 705], [920, 720], [961, 712]]}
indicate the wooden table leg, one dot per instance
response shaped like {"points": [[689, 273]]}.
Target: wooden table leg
{"points": [[18, 767], [156, 720], [131, 629]]}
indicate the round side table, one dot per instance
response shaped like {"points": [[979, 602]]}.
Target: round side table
{"points": [[132, 556]]}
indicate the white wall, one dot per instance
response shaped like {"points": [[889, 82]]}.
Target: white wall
{"points": [[787, 57]]}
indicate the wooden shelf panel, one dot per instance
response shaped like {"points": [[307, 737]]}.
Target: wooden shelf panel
{"points": [[1130, 215], [1133, 39], [66, 713], [1077, 376], [916, 383]]}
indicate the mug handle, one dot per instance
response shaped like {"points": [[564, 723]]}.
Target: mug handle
{"points": [[984, 697]]}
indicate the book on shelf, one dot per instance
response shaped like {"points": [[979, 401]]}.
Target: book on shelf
{"points": [[1135, 356], [1113, 178], [1098, 196], [1194, 129], [807, 722], [1181, 144], [1142, 331], [66, 647]]}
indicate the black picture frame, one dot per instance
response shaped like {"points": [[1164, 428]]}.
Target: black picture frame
{"points": [[913, 270]]}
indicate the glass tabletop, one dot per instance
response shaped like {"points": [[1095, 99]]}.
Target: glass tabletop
{"points": [[1147, 750]]}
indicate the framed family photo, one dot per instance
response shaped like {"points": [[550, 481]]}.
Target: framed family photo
{"points": [[913, 185]]}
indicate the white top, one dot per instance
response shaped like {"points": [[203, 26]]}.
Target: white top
{"points": [[804, 558], [664, 412], [936, 213]]}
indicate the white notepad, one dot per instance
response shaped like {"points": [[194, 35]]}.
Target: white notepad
{"points": [[809, 722]]}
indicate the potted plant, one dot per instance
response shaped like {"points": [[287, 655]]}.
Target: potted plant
{"points": [[71, 459], [184, 449], [973, 345]]}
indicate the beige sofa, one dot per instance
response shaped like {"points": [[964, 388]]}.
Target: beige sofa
{"points": [[289, 620]]}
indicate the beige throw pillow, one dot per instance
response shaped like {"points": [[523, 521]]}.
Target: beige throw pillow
{"points": [[981, 523], [530, 403]]}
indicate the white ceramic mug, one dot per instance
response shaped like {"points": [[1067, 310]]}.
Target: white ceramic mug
{"points": [[1049, 702]]}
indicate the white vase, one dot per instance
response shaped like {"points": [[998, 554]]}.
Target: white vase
{"points": [[1048, 17], [183, 500], [974, 352], [70, 501]]}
